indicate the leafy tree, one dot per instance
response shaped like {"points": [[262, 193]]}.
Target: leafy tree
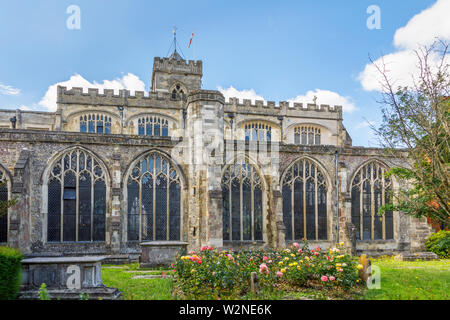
{"points": [[416, 124]]}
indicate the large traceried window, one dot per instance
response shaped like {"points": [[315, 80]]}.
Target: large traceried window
{"points": [[242, 203], [305, 202], [95, 123], [3, 214], [154, 196], [76, 198], [307, 135], [153, 126], [370, 190], [257, 131]]}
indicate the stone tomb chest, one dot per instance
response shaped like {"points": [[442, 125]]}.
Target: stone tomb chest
{"points": [[65, 278], [160, 253]]}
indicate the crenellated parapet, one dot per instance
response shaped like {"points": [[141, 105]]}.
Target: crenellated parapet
{"points": [[124, 98], [178, 66], [284, 108]]}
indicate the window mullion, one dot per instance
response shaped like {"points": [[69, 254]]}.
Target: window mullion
{"points": [[316, 209], [63, 173]]}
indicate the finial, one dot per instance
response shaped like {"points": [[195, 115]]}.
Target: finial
{"points": [[315, 100]]}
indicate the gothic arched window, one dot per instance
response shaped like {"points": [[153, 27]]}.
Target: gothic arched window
{"points": [[3, 211], [257, 131], [370, 190], [242, 203], [305, 202], [178, 92], [307, 135], [95, 123], [76, 198], [154, 196], [153, 126]]}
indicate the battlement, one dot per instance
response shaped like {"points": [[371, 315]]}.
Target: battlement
{"points": [[178, 66], [283, 108], [124, 98]]}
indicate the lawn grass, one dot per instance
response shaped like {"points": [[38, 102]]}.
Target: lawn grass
{"points": [[411, 280], [400, 280], [137, 289]]}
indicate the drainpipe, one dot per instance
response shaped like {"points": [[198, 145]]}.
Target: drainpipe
{"points": [[337, 196]]}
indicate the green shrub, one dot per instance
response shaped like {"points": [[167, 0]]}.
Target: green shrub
{"points": [[10, 273], [439, 243]]}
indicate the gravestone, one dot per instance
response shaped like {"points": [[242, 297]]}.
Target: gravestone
{"points": [[160, 253], [65, 278]]}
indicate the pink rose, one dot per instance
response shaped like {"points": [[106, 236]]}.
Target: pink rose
{"points": [[295, 244], [265, 258], [324, 278], [332, 278], [300, 251], [317, 248], [280, 274], [316, 253], [203, 248], [263, 268]]}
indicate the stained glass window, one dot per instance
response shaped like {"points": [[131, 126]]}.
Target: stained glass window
{"points": [[370, 191], [305, 202], [242, 203], [76, 198], [154, 196]]}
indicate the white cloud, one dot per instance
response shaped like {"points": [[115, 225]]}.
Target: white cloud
{"points": [[424, 27], [129, 82], [326, 97], [232, 92], [8, 90], [401, 66], [323, 97]]}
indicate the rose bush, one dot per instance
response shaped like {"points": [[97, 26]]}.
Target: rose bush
{"points": [[225, 274]]}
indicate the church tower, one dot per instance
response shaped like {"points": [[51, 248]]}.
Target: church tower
{"points": [[175, 75]]}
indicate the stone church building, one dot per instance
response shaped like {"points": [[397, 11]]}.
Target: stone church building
{"points": [[108, 171]]}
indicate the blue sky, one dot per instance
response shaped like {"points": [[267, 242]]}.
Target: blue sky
{"points": [[278, 50]]}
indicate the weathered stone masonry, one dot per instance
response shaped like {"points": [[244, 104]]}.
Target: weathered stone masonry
{"points": [[177, 121]]}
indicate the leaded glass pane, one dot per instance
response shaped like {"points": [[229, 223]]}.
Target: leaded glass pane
{"points": [[133, 210], [99, 211], [247, 209], [235, 210], [226, 212], [287, 211], [257, 202], [174, 212], [147, 207], [161, 207], [84, 207], [54, 211]]}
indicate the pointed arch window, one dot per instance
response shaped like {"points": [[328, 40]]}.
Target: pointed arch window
{"points": [[242, 203], [153, 126], [307, 135], [305, 202], [178, 93], [371, 190], [95, 123], [76, 199], [258, 131], [154, 196], [3, 214]]}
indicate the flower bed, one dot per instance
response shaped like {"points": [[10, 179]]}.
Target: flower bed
{"points": [[212, 274]]}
